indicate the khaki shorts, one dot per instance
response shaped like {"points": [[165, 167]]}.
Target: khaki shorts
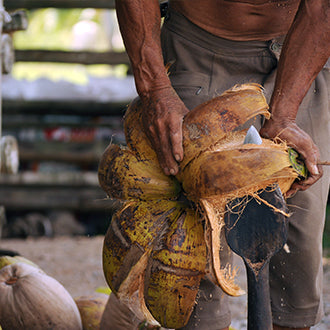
{"points": [[203, 66]]}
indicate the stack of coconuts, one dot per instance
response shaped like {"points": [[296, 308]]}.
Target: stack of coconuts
{"points": [[31, 299], [166, 236]]}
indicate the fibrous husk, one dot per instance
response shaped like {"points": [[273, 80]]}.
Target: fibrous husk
{"points": [[236, 169], [150, 257], [136, 138], [209, 122], [132, 231], [204, 126], [174, 271], [156, 249], [222, 275], [30, 299], [118, 316], [123, 176]]}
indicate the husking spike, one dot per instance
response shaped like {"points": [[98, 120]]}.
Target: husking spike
{"points": [[252, 136]]}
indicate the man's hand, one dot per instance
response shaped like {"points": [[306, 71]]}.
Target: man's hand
{"points": [[162, 119], [296, 138]]}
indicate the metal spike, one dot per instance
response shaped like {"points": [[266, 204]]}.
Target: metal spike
{"points": [[252, 136]]}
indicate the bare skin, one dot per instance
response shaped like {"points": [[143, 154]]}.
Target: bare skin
{"points": [[305, 51], [240, 19]]}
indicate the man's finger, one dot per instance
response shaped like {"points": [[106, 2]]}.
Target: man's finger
{"points": [[168, 162], [176, 142]]}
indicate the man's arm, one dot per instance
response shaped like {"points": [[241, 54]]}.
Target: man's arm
{"points": [[139, 22], [305, 51]]}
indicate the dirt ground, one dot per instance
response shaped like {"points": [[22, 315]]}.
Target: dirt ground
{"points": [[76, 262]]}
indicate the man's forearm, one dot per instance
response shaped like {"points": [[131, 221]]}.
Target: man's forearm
{"points": [[139, 22], [305, 51]]}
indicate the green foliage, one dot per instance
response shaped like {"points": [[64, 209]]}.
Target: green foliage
{"points": [[54, 29]]}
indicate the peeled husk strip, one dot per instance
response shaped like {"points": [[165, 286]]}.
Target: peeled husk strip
{"points": [[202, 126], [133, 230], [178, 236], [209, 122], [223, 276], [123, 176], [118, 316], [131, 291], [30, 299], [174, 272], [136, 138], [238, 170], [171, 296]]}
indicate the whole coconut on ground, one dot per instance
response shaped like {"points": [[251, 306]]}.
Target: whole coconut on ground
{"points": [[30, 299]]}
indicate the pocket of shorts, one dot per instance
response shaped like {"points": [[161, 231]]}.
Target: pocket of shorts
{"points": [[192, 87]]}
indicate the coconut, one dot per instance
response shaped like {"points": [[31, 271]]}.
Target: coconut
{"points": [[30, 299], [8, 260], [91, 309], [118, 316]]}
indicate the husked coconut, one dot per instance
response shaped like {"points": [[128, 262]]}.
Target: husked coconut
{"points": [[30, 299]]}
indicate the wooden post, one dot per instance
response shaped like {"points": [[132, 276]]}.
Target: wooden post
{"points": [[85, 57], [2, 15], [34, 4], [19, 21]]}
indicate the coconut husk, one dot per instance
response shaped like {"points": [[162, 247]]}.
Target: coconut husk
{"points": [[211, 121], [174, 271], [123, 176], [156, 250], [136, 138], [237, 169], [133, 230]]}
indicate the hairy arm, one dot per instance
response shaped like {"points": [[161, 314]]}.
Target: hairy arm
{"points": [[305, 51], [139, 22]]}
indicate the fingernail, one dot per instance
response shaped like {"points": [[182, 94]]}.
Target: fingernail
{"points": [[315, 170], [172, 171], [177, 157]]}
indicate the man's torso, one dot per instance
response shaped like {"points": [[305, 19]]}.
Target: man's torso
{"points": [[240, 19]]}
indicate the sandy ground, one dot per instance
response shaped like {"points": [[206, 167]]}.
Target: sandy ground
{"points": [[76, 262]]}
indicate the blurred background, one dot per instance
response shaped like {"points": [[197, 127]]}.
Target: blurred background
{"points": [[66, 84]]}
